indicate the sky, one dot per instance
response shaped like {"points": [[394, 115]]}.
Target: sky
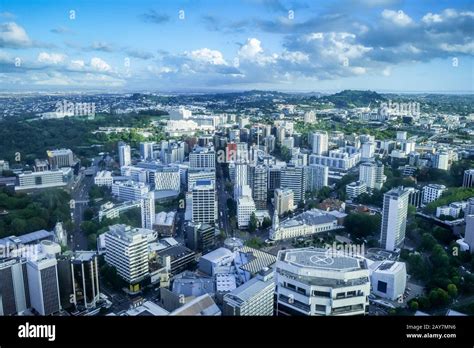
{"points": [[186, 45]]}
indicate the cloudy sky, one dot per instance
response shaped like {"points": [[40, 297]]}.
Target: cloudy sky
{"points": [[117, 45]]}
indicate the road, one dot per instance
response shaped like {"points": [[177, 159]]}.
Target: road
{"points": [[80, 195]]}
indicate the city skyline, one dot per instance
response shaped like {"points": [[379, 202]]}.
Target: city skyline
{"points": [[299, 46]]}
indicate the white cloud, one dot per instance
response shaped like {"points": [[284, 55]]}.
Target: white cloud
{"points": [[399, 17], [51, 58], [100, 65], [14, 36], [252, 51], [208, 56], [77, 64]]}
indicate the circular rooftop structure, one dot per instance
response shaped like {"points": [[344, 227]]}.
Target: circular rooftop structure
{"points": [[321, 259]]}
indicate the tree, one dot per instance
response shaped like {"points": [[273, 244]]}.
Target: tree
{"points": [[362, 225], [18, 226], [253, 223], [427, 242], [324, 192], [438, 297], [88, 214], [414, 305], [452, 290], [267, 222]]}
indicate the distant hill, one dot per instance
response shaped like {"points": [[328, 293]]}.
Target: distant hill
{"points": [[352, 98]]}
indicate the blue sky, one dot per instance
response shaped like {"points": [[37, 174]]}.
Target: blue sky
{"points": [[383, 45]]}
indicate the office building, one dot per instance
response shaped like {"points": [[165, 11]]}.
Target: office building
{"points": [[167, 178], [14, 292], [60, 158], [468, 179], [44, 286], [164, 224], [311, 281], [372, 173], [129, 190], [125, 154], [127, 251], [245, 209], [368, 151], [320, 143], [432, 192], [316, 177], [253, 298], [258, 185], [414, 197], [284, 201], [294, 178], [338, 159], [85, 279], [355, 189], [147, 205], [274, 178], [44, 180], [104, 178], [204, 202], [469, 232], [200, 237], [197, 174], [202, 158], [441, 160], [146, 150], [394, 218]]}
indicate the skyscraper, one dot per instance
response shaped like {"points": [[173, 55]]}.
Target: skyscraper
{"points": [[147, 204], [468, 179], [259, 186], [204, 203], [320, 143], [44, 286], [316, 177], [14, 293], [85, 279], [125, 157], [293, 177], [372, 174], [394, 218], [146, 150]]}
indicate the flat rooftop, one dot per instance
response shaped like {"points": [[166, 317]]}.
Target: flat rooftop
{"points": [[319, 259]]}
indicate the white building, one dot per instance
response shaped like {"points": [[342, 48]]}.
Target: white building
{"points": [[355, 189], [305, 224], [204, 202], [338, 159], [316, 177], [441, 160], [294, 178], [388, 279], [146, 150], [135, 173], [253, 298], [311, 281], [394, 218], [104, 178], [147, 205], [372, 174], [45, 179], [320, 143], [368, 150], [284, 201], [202, 158], [469, 232], [129, 190], [245, 209], [167, 178], [432, 192], [127, 251], [125, 154], [195, 175]]}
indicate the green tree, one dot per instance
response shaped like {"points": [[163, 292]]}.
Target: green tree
{"points": [[362, 225], [452, 290], [414, 305], [253, 223]]}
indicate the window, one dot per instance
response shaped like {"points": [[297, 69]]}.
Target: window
{"points": [[382, 286], [320, 308], [321, 293]]}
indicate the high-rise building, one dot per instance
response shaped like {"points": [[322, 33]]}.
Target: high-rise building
{"points": [[200, 237], [311, 281], [202, 158], [129, 190], [320, 143], [274, 178], [259, 186], [469, 232], [167, 178], [414, 197], [245, 209], [355, 189], [316, 177], [468, 179], [432, 192], [197, 174], [44, 286], [394, 218], [125, 154], [372, 174], [284, 201], [368, 150], [60, 158], [204, 203], [127, 251], [146, 150], [253, 298], [14, 292], [294, 178], [147, 204], [441, 160], [241, 173], [85, 279]]}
